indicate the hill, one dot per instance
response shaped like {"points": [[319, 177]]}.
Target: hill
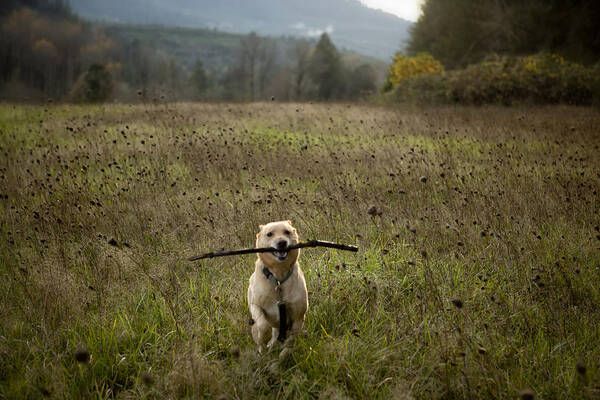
{"points": [[217, 49], [350, 24]]}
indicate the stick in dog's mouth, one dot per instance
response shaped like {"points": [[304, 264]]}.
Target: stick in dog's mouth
{"points": [[310, 243]]}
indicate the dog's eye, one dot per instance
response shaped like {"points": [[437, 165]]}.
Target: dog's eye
{"points": [[287, 232], [270, 234]]}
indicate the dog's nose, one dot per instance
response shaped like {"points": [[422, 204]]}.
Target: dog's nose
{"points": [[282, 244]]}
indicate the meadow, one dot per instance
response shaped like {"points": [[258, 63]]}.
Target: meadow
{"points": [[477, 276]]}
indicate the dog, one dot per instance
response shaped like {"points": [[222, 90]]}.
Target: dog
{"points": [[277, 294]]}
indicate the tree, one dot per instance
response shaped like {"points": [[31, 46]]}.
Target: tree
{"points": [[137, 63], [175, 74], [199, 78], [302, 54], [45, 57], [233, 83], [98, 83], [361, 81], [451, 31], [325, 69], [249, 48], [58, 7], [460, 32], [256, 62], [266, 64], [42, 51]]}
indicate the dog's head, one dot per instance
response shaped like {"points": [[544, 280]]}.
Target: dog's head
{"points": [[278, 235]]}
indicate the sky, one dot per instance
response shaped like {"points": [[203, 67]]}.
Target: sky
{"points": [[407, 9]]}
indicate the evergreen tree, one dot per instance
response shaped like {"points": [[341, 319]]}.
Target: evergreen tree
{"points": [[325, 69], [98, 83]]}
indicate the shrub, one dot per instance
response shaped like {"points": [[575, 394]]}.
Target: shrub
{"points": [[422, 89], [406, 68], [98, 82], [95, 85], [541, 78]]}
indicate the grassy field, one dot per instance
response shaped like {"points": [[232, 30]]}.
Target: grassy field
{"points": [[479, 278]]}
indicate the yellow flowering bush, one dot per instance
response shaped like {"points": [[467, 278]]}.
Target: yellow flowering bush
{"points": [[540, 78], [404, 68]]}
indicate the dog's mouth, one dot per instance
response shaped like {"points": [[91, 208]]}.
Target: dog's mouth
{"points": [[280, 255]]}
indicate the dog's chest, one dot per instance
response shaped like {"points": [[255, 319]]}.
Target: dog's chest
{"points": [[293, 299], [272, 313]]}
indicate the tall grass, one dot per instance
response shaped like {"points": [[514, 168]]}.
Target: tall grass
{"points": [[479, 278]]}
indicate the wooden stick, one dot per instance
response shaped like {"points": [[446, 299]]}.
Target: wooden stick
{"points": [[310, 243]]}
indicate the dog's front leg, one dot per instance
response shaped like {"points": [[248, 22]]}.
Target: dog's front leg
{"points": [[274, 335], [261, 329], [293, 333]]}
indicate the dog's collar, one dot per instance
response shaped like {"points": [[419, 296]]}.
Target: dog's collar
{"points": [[277, 282]]}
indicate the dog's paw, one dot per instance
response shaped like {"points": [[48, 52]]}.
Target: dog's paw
{"points": [[286, 352], [273, 343]]}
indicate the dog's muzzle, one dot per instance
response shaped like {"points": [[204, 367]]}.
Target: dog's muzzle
{"points": [[281, 254]]}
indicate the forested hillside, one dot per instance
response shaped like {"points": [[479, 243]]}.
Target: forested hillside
{"points": [[48, 51], [350, 24]]}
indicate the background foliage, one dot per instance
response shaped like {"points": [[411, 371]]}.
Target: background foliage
{"points": [[460, 32], [501, 51], [47, 50], [542, 78], [404, 68]]}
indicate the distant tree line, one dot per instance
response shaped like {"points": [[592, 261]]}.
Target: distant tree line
{"points": [[315, 72], [57, 7], [47, 51], [461, 32]]}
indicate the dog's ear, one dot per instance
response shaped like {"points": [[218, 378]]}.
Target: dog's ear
{"points": [[260, 228], [289, 222]]}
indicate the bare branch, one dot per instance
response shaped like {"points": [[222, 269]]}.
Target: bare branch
{"points": [[310, 243]]}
